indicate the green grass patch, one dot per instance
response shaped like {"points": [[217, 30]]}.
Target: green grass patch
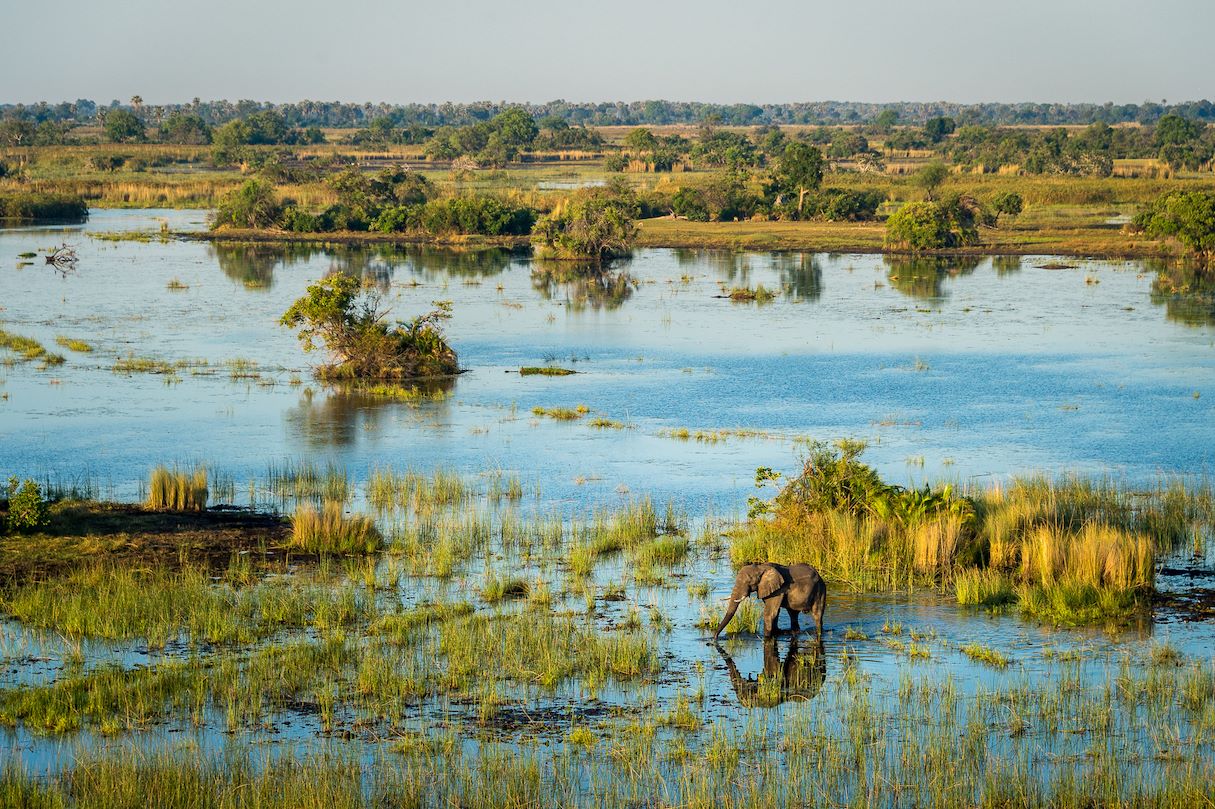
{"points": [[545, 370]]}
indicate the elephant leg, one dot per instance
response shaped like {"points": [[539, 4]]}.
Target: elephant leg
{"points": [[794, 626], [771, 612], [817, 608]]}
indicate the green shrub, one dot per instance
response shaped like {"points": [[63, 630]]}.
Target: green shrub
{"points": [[1188, 216], [253, 205], [27, 510], [595, 223], [42, 206], [952, 222], [350, 321]]}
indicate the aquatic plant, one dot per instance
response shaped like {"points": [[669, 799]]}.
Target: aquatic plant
{"points": [[331, 531], [176, 490]]}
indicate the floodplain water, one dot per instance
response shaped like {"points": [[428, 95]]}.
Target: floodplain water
{"points": [[967, 370]]}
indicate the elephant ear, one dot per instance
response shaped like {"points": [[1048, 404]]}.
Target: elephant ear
{"points": [[770, 583]]}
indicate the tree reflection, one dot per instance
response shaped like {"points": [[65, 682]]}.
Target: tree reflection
{"points": [[923, 276], [253, 265], [338, 416], [1006, 265], [583, 285], [1186, 290], [801, 275]]}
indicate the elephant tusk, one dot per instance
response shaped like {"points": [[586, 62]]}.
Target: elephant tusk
{"points": [[732, 600]]}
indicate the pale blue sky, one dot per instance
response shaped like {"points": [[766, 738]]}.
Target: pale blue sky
{"points": [[540, 50]]}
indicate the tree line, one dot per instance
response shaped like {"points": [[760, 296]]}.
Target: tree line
{"points": [[335, 114]]}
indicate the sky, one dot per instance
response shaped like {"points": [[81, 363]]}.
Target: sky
{"points": [[540, 50]]}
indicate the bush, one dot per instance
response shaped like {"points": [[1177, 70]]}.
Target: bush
{"points": [[840, 205], [349, 320], [27, 510], [595, 223], [1008, 203], [253, 205], [1188, 216], [41, 206], [952, 222], [690, 204]]}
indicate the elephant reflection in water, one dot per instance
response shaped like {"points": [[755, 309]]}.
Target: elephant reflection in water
{"points": [[797, 678]]}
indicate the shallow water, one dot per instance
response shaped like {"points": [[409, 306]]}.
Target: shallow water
{"points": [[973, 372]]}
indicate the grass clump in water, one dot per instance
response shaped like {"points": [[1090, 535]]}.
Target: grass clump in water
{"points": [[74, 344], [562, 413], [330, 531], [545, 370], [174, 490], [28, 349]]}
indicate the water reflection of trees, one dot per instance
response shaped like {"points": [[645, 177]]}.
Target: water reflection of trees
{"points": [[253, 265], [1186, 290], [801, 275], [1006, 265], [338, 416], [923, 276], [583, 285]]}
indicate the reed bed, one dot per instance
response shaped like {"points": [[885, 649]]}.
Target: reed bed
{"points": [[177, 490], [329, 530]]}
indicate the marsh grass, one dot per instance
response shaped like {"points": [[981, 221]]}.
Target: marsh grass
{"points": [[562, 413], [329, 530], [545, 370], [28, 349], [176, 490], [157, 605], [302, 480], [388, 489], [1065, 551], [74, 344]]}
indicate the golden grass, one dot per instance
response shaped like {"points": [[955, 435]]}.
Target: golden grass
{"points": [[331, 531], [174, 490]]}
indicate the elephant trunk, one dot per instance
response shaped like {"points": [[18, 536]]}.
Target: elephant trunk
{"points": [[733, 608]]}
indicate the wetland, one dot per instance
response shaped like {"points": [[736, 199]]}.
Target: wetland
{"points": [[497, 589]]}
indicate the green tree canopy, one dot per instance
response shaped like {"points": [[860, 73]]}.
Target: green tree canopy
{"points": [[123, 126]]}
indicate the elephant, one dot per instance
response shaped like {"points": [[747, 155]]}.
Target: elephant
{"points": [[798, 677], [796, 588]]}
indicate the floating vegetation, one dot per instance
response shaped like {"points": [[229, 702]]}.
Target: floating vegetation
{"points": [[176, 285], [145, 365], [759, 294], [606, 423], [985, 654], [545, 370]]}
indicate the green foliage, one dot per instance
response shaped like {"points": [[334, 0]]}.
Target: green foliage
{"points": [[254, 205], [122, 126], [1008, 203], [471, 214], [690, 204], [952, 222], [27, 509], [491, 143], [595, 223], [43, 206], [798, 173], [1188, 216], [349, 320], [931, 177], [937, 129], [186, 129]]}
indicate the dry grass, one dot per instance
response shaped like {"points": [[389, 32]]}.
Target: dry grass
{"points": [[174, 490], [331, 531]]}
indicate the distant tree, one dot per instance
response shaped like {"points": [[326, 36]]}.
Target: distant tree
{"points": [[122, 126], [885, 120], [16, 132], [800, 172], [137, 102], [1175, 130], [186, 129], [937, 129], [1008, 203], [930, 178], [1188, 216], [640, 139], [515, 127], [253, 205]]}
